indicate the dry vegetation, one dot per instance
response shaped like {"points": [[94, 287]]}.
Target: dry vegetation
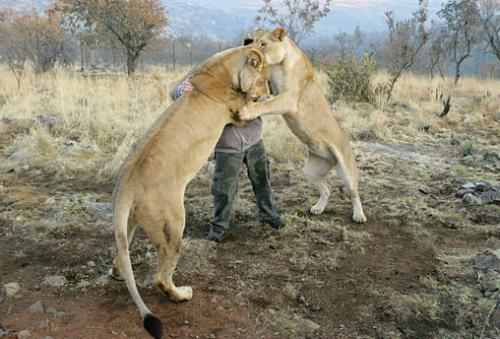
{"points": [[408, 273]]}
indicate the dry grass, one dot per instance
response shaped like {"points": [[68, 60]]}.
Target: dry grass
{"points": [[86, 125]]}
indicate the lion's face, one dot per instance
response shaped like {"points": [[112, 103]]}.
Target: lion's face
{"points": [[254, 76], [270, 42]]}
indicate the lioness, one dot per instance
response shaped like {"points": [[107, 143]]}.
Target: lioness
{"points": [[308, 114], [152, 180]]}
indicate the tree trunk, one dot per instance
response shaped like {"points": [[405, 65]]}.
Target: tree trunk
{"points": [[82, 57], [132, 59], [173, 54], [457, 73]]}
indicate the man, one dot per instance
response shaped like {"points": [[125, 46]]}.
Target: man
{"points": [[238, 145]]}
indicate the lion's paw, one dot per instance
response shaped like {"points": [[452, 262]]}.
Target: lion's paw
{"points": [[247, 112], [185, 293], [317, 209], [359, 217]]}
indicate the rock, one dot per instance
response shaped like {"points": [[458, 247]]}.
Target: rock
{"points": [[490, 197], [10, 289], [495, 317], [482, 186], [488, 287], [36, 308], [50, 310], [487, 261], [56, 280], [471, 199], [469, 185], [306, 325], [91, 264], [493, 242], [463, 191], [316, 254], [103, 209], [23, 334]]}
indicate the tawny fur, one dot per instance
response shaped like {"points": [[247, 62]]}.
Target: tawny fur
{"points": [[152, 181], [299, 98]]}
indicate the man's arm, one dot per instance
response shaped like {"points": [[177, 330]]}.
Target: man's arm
{"points": [[183, 86]]}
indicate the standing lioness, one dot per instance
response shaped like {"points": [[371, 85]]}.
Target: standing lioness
{"points": [[152, 181], [308, 114]]}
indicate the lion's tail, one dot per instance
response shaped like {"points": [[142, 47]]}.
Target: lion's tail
{"points": [[121, 211]]}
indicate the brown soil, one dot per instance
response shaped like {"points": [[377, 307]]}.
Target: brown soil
{"points": [[259, 281]]}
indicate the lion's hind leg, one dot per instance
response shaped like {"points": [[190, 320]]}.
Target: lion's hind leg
{"points": [[166, 234], [315, 171], [347, 171]]}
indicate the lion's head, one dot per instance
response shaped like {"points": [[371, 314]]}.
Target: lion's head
{"points": [[254, 76], [271, 42]]}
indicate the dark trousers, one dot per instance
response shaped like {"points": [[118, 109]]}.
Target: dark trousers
{"points": [[225, 184]]}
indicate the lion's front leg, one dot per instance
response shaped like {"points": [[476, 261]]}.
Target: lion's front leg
{"points": [[281, 104]]}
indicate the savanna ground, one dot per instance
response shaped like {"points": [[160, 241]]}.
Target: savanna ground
{"points": [[407, 273]]}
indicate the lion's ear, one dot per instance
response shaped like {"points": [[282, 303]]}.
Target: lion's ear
{"points": [[248, 40], [256, 59], [279, 33]]}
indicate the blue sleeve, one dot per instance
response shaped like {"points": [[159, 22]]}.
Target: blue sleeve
{"points": [[178, 92]]}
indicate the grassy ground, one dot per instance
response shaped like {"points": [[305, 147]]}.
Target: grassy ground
{"points": [[408, 273]]}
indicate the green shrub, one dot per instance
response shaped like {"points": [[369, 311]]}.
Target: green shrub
{"points": [[351, 82]]}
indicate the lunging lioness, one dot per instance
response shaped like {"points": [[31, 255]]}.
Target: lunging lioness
{"points": [[305, 109], [152, 180]]}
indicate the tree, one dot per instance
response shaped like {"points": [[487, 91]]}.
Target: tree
{"points": [[437, 52], [188, 44], [33, 37], [405, 41], [348, 45], [43, 39], [490, 20], [133, 23], [297, 17], [12, 51], [462, 24]]}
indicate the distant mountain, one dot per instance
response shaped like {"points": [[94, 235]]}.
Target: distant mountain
{"points": [[228, 19]]}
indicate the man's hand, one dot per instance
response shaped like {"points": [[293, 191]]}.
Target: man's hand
{"points": [[185, 87]]}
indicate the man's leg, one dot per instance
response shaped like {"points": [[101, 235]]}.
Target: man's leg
{"points": [[224, 189], [260, 176]]}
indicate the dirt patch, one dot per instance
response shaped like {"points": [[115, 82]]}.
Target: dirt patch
{"points": [[407, 273]]}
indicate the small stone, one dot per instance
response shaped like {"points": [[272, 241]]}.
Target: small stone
{"points": [[23, 334], [91, 264], [186, 322], [36, 308], [211, 336], [487, 261], [316, 254], [495, 316], [301, 299], [11, 289], [469, 185], [50, 311], [307, 326], [493, 242], [464, 191], [490, 197], [471, 199], [56, 280], [482, 186], [488, 287]]}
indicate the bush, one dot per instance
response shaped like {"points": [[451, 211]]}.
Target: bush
{"points": [[353, 83]]}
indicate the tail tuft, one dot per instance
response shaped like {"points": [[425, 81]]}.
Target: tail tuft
{"points": [[153, 325]]}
